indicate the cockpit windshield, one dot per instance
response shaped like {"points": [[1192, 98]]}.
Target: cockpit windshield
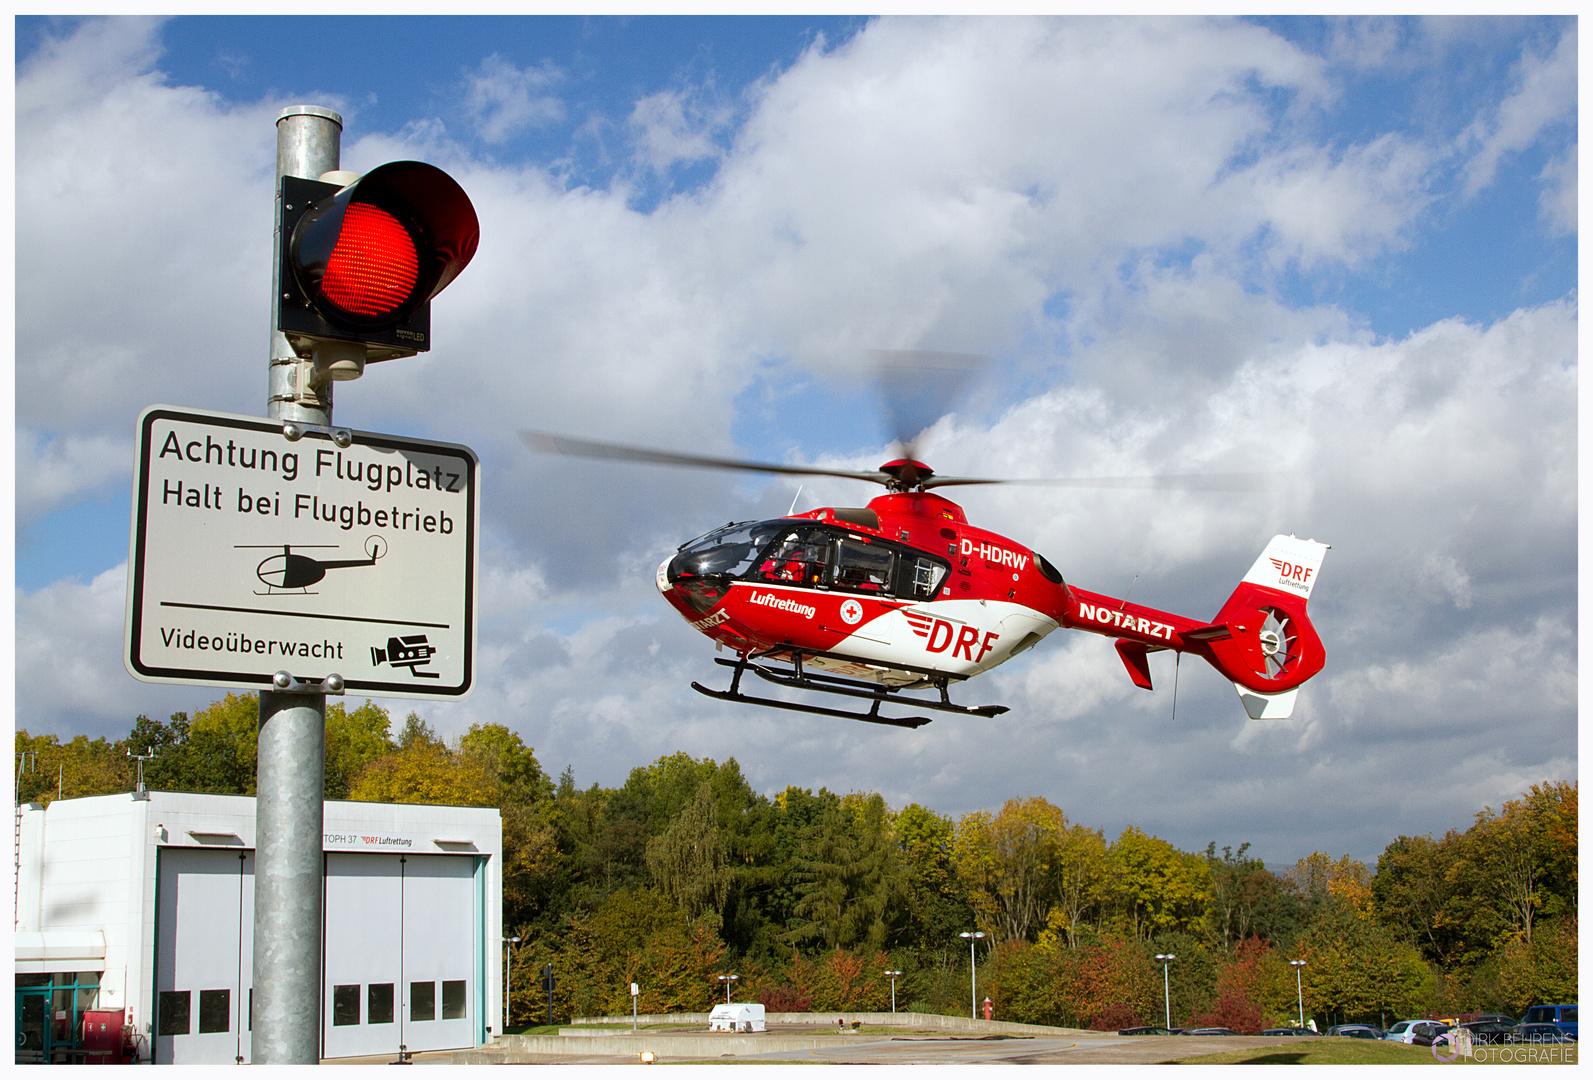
{"points": [[730, 551]]}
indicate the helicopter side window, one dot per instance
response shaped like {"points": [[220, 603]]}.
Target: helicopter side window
{"points": [[861, 567], [800, 557], [919, 577]]}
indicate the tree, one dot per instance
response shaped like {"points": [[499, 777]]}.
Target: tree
{"points": [[424, 772], [849, 881], [1010, 863], [1358, 969], [512, 765], [937, 905], [1413, 889], [76, 769], [1158, 887], [1083, 867], [354, 739], [688, 861]]}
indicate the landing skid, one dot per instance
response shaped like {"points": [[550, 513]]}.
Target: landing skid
{"points": [[834, 684]]}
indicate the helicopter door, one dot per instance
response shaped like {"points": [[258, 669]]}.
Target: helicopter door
{"points": [[866, 570]]}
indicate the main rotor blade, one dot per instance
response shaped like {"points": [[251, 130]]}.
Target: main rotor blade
{"points": [[545, 443], [916, 387], [1163, 482]]}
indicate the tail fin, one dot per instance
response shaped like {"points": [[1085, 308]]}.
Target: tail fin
{"points": [[1261, 639]]}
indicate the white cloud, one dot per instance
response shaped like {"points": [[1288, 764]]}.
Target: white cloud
{"points": [[56, 472], [504, 101], [674, 126], [1557, 205], [1545, 95]]}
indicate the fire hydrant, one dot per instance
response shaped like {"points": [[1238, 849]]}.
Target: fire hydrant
{"points": [[987, 1008]]}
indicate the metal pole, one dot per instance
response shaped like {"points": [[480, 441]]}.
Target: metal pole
{"points": [[289, 864], [973, 977], [508, 968], [1167, 997]]}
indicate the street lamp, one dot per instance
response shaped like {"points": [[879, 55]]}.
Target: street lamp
{"points": [[973, 972], [1298, 992], [893, 975], [1167, 996], [727, 980], [508, 965]]}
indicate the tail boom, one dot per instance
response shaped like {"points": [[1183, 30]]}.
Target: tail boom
{"points": [[1261, 640]]}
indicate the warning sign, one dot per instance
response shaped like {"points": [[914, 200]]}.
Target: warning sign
{"points": [[253, 552]]}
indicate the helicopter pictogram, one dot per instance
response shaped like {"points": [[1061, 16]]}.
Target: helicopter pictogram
{"points": [[292, 572], [906, 594]]}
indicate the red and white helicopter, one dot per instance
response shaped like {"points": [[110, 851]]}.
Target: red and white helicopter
{"points": [[905, 594]]}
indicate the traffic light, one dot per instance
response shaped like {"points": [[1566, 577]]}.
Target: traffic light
{"points": [[358, 264]]}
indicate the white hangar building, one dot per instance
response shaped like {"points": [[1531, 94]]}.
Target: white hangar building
{"points": [[145, 903]]}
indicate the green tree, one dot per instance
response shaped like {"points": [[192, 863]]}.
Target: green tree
{"points": [[354, 739], [1357, 969], [424, 772], [849, 881], [688, 860], [76, 769], [937, 903], [1010, 864], [1158, 887]]}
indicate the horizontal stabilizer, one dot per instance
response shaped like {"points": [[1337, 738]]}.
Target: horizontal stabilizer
{"points": [[1259, 706]]}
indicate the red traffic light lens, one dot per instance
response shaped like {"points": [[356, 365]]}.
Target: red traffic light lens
{"points": [[375, 266]]}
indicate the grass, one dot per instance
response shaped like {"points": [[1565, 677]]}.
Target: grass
{"points": [[1335, 1051]]}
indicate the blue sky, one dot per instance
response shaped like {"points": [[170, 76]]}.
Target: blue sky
{"points": [[1345, 248]]}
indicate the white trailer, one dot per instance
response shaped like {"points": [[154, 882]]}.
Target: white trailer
{"points": [[736, 1017], [148, 900]]}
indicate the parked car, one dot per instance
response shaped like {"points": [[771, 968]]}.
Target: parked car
{"points": [[1145, 1031], [1487, 1032], [1416, 1032], [1561, 1016], [1213, 1031], [1288, 1031], [1540, 1033], [1492, 1018], [1356, 1031]]}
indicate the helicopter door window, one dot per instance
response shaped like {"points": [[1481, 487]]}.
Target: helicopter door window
{"points": [[864, 567], [801, 557], [920, 578]]}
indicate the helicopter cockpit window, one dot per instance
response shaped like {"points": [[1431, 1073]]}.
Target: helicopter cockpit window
{"points": [[864, 567], [800, 557], [729, 551]]}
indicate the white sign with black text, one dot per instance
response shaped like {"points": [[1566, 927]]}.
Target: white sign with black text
{"points": [[252, 553]]}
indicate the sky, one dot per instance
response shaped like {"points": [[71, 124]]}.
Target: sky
{"points": [[1340, 249]]}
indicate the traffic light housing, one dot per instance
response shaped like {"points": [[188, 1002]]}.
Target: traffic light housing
{"points": [[361, 263]]}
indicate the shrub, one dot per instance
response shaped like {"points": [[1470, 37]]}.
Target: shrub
{"points": [[784, 999], [1114, 1018]]}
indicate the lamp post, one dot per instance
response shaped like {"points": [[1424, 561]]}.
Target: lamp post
{"points": [[973, 973], [727, 980], [1298, 992], [893, 975], [1167, 996], [508, 967]]}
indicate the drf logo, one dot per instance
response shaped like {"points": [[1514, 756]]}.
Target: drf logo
{"points": [[852, 612], [940, 635], [1294, 571]]}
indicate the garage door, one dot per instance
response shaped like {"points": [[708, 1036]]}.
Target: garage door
{"points": [[203, 937], [401, 958]]}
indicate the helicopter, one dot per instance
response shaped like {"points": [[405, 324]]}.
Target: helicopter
{"points": [[292, 572], [905, 594]]}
